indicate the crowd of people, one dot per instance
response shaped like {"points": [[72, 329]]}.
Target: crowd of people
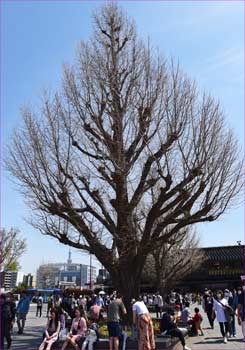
{"points": [[75, 321]]}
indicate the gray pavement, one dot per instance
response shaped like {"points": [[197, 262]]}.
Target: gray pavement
{"points": [[32, 337], [211, 340]]}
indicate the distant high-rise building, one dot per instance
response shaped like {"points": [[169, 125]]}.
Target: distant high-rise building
{"points": [[9, 279], [65, 274], [29, 280]]}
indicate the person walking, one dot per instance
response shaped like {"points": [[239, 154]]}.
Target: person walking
{"points": [[234, 304], [142, 320], [52, 330], [219, 306], [208, 308], [241, 311], [8, 311], [49, 304], [22, 311], [39, 305], [115, 310], [197, 320]]}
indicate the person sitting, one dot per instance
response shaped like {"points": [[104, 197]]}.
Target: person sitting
{"points": [[91, 336], [78, 330], [52, 330], [177, 313], [196, 324], [186, 314], [168, 327]]}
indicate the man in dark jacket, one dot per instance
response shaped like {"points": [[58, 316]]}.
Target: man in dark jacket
{"points": [[8, 311], [168, 327]]}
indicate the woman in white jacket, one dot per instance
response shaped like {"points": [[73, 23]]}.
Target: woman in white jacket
{"points": [[219, 307]]}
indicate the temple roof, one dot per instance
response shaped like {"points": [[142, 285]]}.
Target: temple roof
{"points": [[224, 253]]}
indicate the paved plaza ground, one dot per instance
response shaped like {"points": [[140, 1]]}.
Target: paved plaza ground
{"points": [[210, 341]]}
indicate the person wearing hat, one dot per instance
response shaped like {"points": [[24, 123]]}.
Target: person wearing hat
{"points": [[177, 313], [168, 327]]}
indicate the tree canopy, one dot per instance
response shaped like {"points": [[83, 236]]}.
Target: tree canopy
{"points": [[12, 247], [126, 154]]}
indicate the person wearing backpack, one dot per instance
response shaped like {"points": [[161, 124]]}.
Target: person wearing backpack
{"points": [[39, 305], [8, 310]]}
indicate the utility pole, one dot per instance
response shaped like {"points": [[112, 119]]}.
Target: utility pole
{"points": [[80, 276], [90, 281]]}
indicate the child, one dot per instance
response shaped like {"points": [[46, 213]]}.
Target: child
{"points": [[197, 320], [91, 337], [177, 313]]}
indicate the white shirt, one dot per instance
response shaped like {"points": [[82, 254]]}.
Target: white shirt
{"points": [[40, 300], [140, 308], [218, 308], [158, 300]]}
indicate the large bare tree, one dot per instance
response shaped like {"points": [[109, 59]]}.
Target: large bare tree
{"points": [[172, 261], [127, 151]]}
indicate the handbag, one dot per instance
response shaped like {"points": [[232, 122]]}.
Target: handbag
{"points": [[228, 311], [74, 332]]}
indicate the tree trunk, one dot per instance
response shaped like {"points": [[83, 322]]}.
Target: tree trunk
{"points": [[127, 282]]}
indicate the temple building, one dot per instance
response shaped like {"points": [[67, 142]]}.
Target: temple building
{"points": [[222, 267]]}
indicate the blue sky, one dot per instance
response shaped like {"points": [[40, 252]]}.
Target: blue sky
{"points": [[37, 37]]}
